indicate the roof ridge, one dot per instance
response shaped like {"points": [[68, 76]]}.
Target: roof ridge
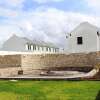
{"points": [[37, 42], [84, 24]]}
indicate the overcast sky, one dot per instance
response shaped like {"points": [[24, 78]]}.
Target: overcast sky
{"points": [[47, 20]]}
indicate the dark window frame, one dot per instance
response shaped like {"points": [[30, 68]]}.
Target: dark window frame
{"points": [[80, 40]]}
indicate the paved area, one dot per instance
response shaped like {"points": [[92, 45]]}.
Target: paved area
{"points": [[30, 77], [58, 77]]}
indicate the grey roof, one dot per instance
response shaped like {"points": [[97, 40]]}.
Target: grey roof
{"points": [[35, 42], [85, 24]]}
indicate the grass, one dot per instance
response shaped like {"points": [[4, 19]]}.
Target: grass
{"points": [[49, 90]]}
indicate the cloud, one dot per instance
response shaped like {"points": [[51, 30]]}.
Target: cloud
{"points": [[8, 13], [7, 30], [51, 25], [11, 3], [44, 23], [47, 1], [47, 24], [94, 4]]}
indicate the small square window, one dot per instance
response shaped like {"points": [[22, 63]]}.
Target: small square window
{"points": [[98, 33], [79, 40]]}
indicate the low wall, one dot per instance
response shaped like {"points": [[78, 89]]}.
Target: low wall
{"points": [[9, 72], [10, 65], [59, 61], [10, 61]]}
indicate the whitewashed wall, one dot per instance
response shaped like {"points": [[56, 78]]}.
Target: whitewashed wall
{"points": [[90, 39]]}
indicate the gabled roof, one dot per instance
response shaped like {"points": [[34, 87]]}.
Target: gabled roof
{"points": [[35, 42], [84, 25]]}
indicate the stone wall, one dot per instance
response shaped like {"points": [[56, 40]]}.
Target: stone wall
{"points": [[10, 65], [10, 61], [50, 61], [9, 71]]}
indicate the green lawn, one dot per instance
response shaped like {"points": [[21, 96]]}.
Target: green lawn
{"points": [[49, 90]]}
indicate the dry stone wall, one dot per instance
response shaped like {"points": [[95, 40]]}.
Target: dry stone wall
{"points": [[58, 60], [10, 61], [10, 65], [9, 71]]}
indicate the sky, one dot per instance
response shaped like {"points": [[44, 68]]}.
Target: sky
{"points": [[46, 20]]}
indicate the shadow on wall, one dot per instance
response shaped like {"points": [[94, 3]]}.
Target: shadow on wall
{"points": [[98, 96]]}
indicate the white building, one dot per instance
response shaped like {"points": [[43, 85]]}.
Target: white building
{"points": [[84, 38], [21, 44]]}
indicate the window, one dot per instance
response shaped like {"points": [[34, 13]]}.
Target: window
{"points": [[50, 49], [34, 47], [38, 48], [57, 50], [46, 48], [79, 40], [42, 48], [54, 50], [29, 47], [98, 33]]}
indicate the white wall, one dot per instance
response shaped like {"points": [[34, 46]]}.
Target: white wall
{"points": [[89, 34]]}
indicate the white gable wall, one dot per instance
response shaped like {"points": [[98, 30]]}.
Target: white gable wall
{"points": [[21, 45], [89, 34], [14, 44]]}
